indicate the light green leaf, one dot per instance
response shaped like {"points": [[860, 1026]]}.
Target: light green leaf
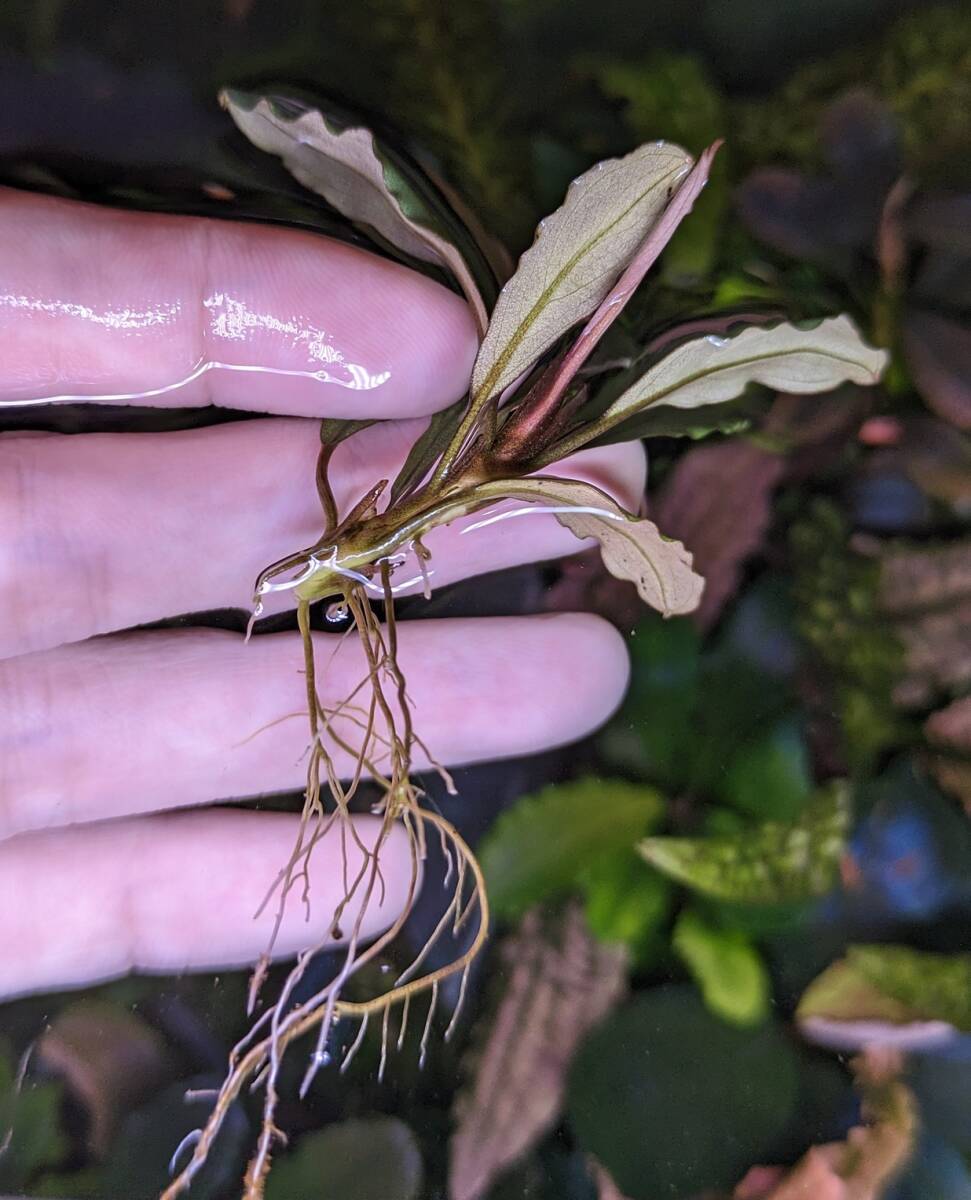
{"points": [[771, 863], [726, 966], [579, 252], [371, 1158], [539, 847], [787, 358], [356, 176], [938, 986], [625, 902]]}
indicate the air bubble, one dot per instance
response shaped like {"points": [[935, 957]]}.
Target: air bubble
{"points": [[337, 612], [714, 340]]}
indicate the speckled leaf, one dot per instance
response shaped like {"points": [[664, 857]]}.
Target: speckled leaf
{"points": [[771, 863], [711, 370], [726, 966], [358, 176], [888, 995], [579, 252], [539, 847]]}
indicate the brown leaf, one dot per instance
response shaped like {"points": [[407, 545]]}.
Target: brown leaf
{"points": [[718, 501], [561, 982], [110, 1060], [939, 356]]}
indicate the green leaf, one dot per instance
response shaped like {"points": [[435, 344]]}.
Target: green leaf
{"points": [[787, 358], [770, 778], [772, 863], [675, 1102], [427, 448], [539, 847], [625, 902], [726, 966], [363, 180], [30, 1116], [372, 1158], [579, 252], [334, 430]]}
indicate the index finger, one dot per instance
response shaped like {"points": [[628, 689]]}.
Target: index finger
{"points": [[124, 307]]}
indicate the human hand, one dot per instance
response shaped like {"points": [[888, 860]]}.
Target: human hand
{"points": [[103, 733]]}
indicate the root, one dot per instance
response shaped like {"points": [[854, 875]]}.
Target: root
{"points": [[379, 735]]}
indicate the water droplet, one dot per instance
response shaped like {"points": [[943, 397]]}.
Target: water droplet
{"points": [[322, 1058], [714, 340], [336, 612]]}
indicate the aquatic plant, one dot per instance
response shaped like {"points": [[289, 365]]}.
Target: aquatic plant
{"points": [[537, 394]]}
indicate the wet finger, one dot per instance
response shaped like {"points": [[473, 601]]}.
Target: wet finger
{"points": [[143, 722], [106, 531], [101, 304], [173, 893]]}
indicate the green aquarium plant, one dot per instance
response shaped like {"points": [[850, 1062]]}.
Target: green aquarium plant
{"points": [[537, 394]]}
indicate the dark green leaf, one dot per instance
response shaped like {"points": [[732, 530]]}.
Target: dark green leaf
{"points": [[673, 1101], [539, 847], [770, 778], [334, 430], [30, 1116], [772, 863], [372, 1158], [427, 449]]}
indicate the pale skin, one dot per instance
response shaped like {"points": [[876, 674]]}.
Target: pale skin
{"points": [[102, 740]]}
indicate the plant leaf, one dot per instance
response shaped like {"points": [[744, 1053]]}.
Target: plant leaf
{"points": [[734, 416], [365, 1158], [334, 430], [675, 1102], [772, 863], [558, 983], [579, 252], [713, 369], [624, 902], [358, 176], [632, 549], [726, 966], [539, 847], [427, 448]]}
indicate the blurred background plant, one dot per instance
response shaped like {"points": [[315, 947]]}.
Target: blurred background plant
{"points": [[763, 864]]}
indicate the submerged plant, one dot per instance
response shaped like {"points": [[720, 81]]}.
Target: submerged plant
{"points": [[537, 394]]}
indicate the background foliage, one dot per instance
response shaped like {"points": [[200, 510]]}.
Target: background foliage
{"points": [[764, 859]]}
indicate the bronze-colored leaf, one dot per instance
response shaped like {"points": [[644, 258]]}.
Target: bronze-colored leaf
{"points": [[718, 501], [561, 982], [632, 549], [712, 369], [578, 255], [346, 167]]}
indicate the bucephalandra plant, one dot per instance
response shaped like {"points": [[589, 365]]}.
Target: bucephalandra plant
{"points": [[535, 396]]}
